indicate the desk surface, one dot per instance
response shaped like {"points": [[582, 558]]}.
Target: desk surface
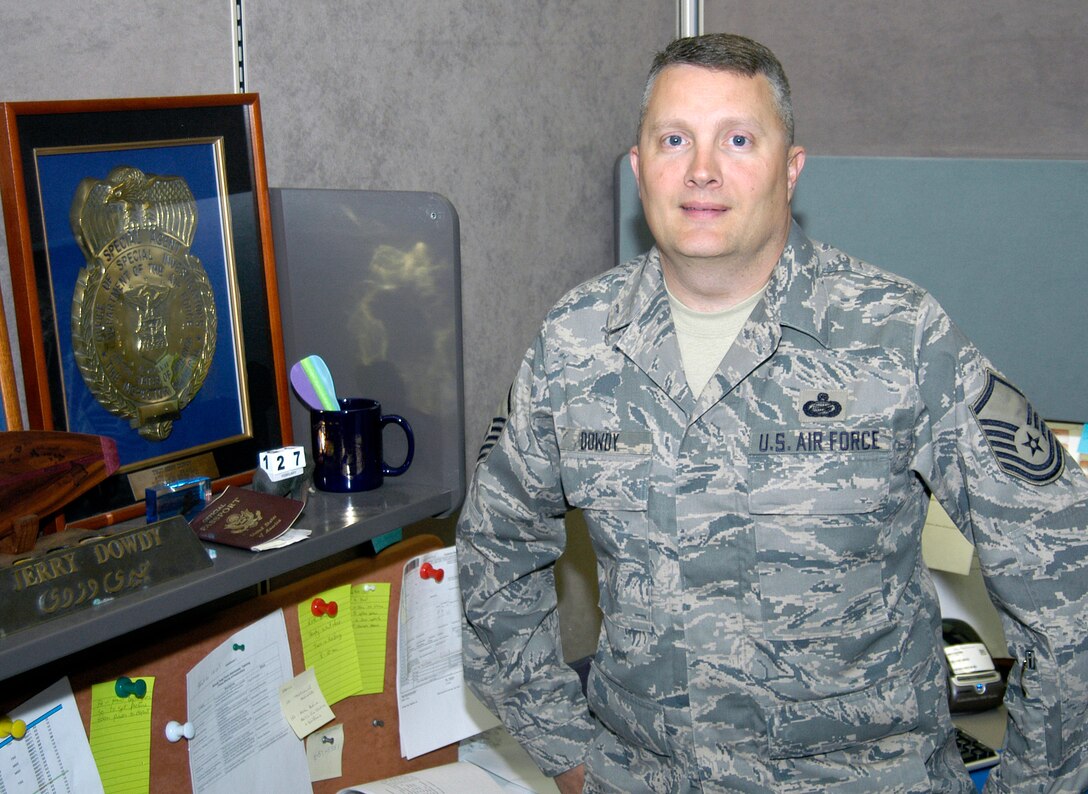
{"points": [[986, 726], [338, 522]]}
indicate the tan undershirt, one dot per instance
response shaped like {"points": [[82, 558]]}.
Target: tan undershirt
{"points": [[705, 337]]}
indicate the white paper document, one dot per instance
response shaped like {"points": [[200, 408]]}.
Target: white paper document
{"points": [[435, 707], [456, 778], [500, 754], [291, 536], [242, 740], [944, 548], [53, 757]]}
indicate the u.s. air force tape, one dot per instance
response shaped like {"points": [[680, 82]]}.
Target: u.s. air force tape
{"points": [[1018, 437], [783, 441]]}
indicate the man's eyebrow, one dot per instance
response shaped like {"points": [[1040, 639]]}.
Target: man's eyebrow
{"points": [[664, 124], [675, 122]]}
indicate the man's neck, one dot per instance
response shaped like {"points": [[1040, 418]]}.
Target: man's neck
{"points": [[714, 286]]}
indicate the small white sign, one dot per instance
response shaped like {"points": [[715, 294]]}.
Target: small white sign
{"points": [[283, 463]]}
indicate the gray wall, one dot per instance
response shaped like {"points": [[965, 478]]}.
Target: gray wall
{"points": [[512, 110], [1001, 78], [509, 109], [516, 111]]}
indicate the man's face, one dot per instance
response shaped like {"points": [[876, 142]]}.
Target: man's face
{"points": [[714, 170]]}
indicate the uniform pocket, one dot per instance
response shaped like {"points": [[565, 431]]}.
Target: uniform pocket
{"points": [[818, 528], [822, 726], [612, 481], [804, 484], [634, 719], [612, 489]]}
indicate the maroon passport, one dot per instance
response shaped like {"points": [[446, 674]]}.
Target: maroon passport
{"points": [[244, 518]]}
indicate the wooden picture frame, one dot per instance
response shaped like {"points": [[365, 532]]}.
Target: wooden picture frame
{"points": [[10, 413], [144, 285]]}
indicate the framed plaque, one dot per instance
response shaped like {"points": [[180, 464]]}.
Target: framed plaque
{"points": [[10, 413], [144, 285]]}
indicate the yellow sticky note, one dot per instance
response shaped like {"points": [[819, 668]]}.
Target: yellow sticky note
{"points": [[328, 644], [303, 704], [347, 652], [324, 753], [370, 613], [121, 737]]}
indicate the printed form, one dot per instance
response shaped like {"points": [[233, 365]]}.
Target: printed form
{"points": [[54, 756], [242, 740], [430, 680]]}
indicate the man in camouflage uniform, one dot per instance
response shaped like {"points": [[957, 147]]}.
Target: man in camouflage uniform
{"points": [[768, 623]]}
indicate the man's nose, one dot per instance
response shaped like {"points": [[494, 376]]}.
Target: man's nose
{"points": [[703, 168]]}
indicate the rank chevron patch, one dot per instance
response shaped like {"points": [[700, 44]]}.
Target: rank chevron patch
{"points": [[1018, 437], [498, 424]]}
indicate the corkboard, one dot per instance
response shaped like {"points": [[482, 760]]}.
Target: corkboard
{"points": [[371, 727]]}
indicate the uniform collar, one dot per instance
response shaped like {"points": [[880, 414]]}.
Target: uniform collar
{"points": [[643, 329], [641, 293], [641, 322], [794, 297]]}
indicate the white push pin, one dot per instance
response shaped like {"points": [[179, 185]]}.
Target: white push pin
{"points": [[175, 730]]}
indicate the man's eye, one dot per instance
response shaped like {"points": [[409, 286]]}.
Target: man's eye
{"points": [[673, 140], [739, 140]]}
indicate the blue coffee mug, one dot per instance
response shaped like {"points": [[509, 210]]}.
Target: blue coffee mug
{"points": [[347, 446]]}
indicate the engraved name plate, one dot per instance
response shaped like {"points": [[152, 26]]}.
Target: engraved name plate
{"points": [[104, 566]]}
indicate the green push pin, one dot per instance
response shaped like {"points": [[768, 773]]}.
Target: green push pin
{"points": [[125, 686]]}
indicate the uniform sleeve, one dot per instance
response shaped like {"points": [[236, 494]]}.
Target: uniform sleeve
{"points": [[1014, 492], [509, 535]]}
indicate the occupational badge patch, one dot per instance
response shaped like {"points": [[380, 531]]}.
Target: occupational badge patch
{"points": [[1018, 437], [822, 404]]}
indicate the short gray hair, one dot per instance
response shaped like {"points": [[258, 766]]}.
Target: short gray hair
{"points": [[725, 52]]}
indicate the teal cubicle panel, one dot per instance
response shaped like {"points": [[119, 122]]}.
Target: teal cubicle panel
{"points": [[1002, 244]]}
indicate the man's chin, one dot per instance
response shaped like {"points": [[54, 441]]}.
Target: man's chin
{"points": [[701, 252]]}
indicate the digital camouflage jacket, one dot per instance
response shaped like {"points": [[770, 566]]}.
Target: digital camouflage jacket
{"points": [[768, 622]]}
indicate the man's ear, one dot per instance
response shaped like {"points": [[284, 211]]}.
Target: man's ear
{"points": [[632, 158], [795, 162]]}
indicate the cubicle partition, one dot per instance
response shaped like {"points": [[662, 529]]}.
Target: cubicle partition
{"points": [[1002, 244], [373, 280], [370, 281]]}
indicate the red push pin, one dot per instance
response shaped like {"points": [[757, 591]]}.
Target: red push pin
{"points": [[319, 608], [428, 571]]}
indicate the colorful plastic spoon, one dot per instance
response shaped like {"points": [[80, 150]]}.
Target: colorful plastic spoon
{"points": [[320, 382]]}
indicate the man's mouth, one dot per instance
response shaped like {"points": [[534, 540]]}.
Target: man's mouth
{"points": [[703, 209]]}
